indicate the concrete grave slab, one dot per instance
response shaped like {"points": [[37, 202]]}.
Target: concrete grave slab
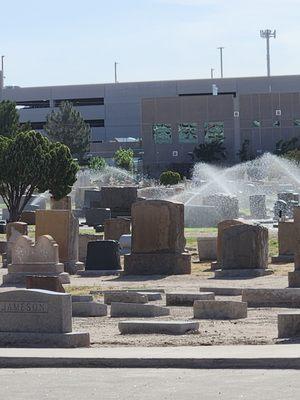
{"points": [[288, 297], [186, 298], [212, 309], [137, 310], [163, 327], [125, 297]]}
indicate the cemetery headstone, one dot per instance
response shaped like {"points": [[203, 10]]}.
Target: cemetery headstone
{"points": [[294, 277], [115, 228], [158, 241], [103, 255], [97, 216], [34, 259], [38, 318], [64, 229]]}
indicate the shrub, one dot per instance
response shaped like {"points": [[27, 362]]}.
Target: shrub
{"points": [[169, 178]]}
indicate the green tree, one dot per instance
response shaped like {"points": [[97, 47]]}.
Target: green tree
{"points": [[124, 158], [245, 154], [210, 151], [9, 118], [293, 155], [284, 146], [67, 126], [30, 162], [169, 178], [97, 164]]}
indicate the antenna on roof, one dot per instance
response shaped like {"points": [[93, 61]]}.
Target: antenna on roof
{"points": [[2, 73]]}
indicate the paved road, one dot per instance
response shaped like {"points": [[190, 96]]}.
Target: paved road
{"points": [[144, 384]]}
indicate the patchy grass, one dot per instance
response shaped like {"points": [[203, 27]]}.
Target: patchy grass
{"points": [[273, 246]]}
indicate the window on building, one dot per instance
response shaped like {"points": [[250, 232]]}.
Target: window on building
{"points": [[93, 101], [33, 104], [187, 133], [256, 123], [162, 133], [95, 123], [37, 125], [213, 131], [297, 122]]}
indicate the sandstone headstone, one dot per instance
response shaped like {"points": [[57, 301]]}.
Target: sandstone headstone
{"points": [[28, 217], [157, 239], [244, 247], [207, 247], [115, 228], [103, 255], [221, 227], [84, 239], [34, 259], [64, 204], [32, 318], [51, 283], [13, 231], [64, 228], [294, 277], [286, 242]]}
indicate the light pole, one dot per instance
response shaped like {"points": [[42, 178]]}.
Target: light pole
{"points": [[116, 72], [2, 73], [221, 59], [267, 34]]}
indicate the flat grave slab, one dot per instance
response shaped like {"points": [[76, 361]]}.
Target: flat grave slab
{"points": [[88, 309], [187, 298], [124, 297], [163, 327], [288, 297], [137, 310], [212, 309], [223, 291]]}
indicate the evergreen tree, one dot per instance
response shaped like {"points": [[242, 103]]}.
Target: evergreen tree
{"points": [[67, 126], [9, 118]]}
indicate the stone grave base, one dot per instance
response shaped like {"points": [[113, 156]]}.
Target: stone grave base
{"points": [[73, 267], [166, 327], [20, 339], [243, 273], [157, 264], [212, 309], [88, 309], [294, 279], [289, 324], [186, 299], [288, 297], [100, 272], [223, 291], [137, 310], [20, 277], [282, 259]]}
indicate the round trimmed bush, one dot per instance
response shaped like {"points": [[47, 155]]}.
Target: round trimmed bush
{"points": [[169, 178]]}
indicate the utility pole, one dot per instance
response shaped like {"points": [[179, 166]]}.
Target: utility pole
{"points": [[212, 73], [267, 34], [2, 73], [221, 60], [116, 73]]}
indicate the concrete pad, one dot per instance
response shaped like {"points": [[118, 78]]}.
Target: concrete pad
{"points": [[282, 259], [236, 273], [125, 297], [83, 298], [187, 298], [223, 291], [152, 296], [137, 310], [289, 324], [164, 327], [88, 309], [25, 339], [102, 272], [212, 309], [288, 297]]}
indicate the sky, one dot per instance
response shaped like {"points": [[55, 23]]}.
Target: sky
{"points": [[62, 42]]}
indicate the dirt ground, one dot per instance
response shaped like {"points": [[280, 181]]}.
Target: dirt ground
{"points": [[260, 327]]}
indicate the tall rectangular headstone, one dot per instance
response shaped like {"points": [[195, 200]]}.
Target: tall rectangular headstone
{"points": [[294, 277], [157, 239], [64, 228]]}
